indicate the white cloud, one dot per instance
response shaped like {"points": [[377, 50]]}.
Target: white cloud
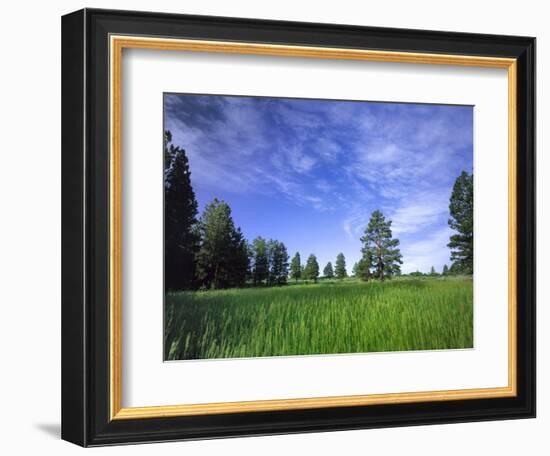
{"points": [[356, 222], [350, 158], [384, 153], [329, 150], [431, 251], [420, 211], [302, 163]]}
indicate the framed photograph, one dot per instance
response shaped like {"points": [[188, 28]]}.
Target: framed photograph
{"points": [[278, 227]]}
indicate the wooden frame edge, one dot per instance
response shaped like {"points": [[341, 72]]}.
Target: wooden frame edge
{"points": [[165, 411], [115, 238], [120, 42], [512, 227]]}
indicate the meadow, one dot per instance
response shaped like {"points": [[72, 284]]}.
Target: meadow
{"points": [[329, 317]]}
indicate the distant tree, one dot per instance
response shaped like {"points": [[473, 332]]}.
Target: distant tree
{"points": [[222, 260], [284, 264], [328, 272], [260, 265], [296, 267], [181, 240], [340, 269], [278, 262], [432, 271], [445, 270], [457, 269], [249, 278], [354, 269], [461, 208], [239, 260], [363, 270], [379, 247], [311, 271], [416, 274]]}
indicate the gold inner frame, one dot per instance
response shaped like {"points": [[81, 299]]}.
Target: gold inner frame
{"points": [[117, 44]]}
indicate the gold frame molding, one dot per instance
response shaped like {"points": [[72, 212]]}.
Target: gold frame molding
{"points": [[117, 45]]}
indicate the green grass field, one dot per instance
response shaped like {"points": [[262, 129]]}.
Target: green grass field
{"points": [[323, 318]]}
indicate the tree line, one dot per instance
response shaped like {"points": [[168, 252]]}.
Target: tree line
{"points": [[211, 252], [455, 269], [311, 269]]}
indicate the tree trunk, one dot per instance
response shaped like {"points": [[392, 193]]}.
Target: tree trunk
{"points": [[216, 276]]}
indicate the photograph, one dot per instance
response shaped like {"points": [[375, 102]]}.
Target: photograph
{"points": [[315, 227], [271, 226], [285, 224]]}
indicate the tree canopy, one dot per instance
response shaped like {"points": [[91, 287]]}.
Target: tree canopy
{"points": [[181, 240], [363, 268], [222, 260], [278, 262], [328, 272], [380, 249], [311, 271], [296, 267], [260, 261], [340, 269]]}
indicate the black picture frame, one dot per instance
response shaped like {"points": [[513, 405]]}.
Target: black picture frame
{"points": [[85, 227]]}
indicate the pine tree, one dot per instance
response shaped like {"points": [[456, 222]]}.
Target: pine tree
{"points": [[340, 269], [328, 272], [311, 271], [363, 270], [296, 267], [456, 269], [260, 267], [379, 248], [432, 271], [278, 262], [461, 208], [181, 240], [239, 260], [283, 264], [445, 270], [354, 269], [222, 260]]}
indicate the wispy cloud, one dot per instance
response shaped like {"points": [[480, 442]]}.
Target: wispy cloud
{"points": [[422, 253], [337, 160], [418, 212]]}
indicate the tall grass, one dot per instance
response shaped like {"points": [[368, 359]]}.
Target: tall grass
{"points": [[325, 318]]}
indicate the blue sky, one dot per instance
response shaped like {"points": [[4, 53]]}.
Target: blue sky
{"points": [[310, 172]]}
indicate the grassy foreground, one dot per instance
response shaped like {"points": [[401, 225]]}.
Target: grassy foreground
{"points": [[323, 318]]}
